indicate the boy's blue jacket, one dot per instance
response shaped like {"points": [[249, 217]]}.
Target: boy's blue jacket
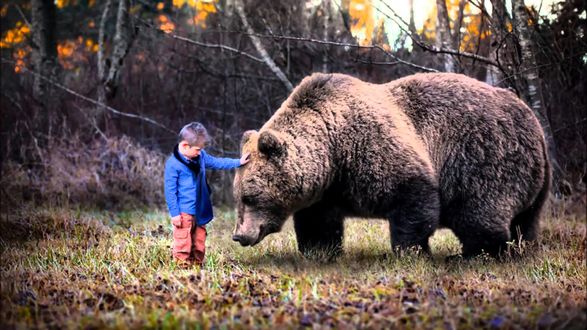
{"points": [[187, 191]]}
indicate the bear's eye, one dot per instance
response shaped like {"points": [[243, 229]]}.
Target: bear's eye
{"points": [[248, 200]]}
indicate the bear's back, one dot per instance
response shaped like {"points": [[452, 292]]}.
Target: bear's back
{"points": [[430, 97], [476, 134]]}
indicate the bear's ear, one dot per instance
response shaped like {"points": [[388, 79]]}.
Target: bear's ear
{"points": [[246, 137], [272, 145]]}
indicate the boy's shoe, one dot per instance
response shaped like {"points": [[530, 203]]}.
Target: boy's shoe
{"points": [[184, 264]]}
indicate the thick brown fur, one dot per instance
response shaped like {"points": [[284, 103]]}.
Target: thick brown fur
{"points": [[423, 151]]}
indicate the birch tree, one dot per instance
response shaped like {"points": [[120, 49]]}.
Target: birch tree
{"points": [[101, 48], [443, 36], [529, 74], [326, 18], [122, 42], [109, 67], [412, 24]]}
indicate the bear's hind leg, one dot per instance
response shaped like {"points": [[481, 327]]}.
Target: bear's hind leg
{"points": [[525, 225], [480, 230], [319, 231]]}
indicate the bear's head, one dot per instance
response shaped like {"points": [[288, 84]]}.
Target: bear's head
{"points": [[268, 188]]}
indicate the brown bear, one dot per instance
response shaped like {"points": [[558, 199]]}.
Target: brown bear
{"points": [[423, 151]]}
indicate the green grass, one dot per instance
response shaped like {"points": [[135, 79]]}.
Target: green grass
{"points": [[74, 268]]}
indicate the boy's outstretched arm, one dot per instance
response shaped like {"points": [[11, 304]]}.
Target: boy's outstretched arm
{"points": [[171, 190], [223, 163]]}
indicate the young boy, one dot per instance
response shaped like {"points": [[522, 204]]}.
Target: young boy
{"points": [[187, 192]]}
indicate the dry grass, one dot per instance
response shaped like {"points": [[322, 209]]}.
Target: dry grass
{"points": [[73, 268]]}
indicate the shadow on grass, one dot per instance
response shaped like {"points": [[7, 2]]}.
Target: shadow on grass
{"points": [[354, 258], [376, 261]]}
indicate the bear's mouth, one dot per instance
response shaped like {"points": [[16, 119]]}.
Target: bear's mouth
{"points": [[262, 234], [265, 230], [248, 241]]}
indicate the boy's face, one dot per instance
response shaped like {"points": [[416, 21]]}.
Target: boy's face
{"points": [[190, 151]]}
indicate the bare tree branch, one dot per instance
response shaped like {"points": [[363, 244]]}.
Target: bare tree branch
{"points": [[88, 99], [558, 62], [431, 48], [378, 62], [92, 121], [281, 37], [344, 44], [219, 46], [577, 123], [257, 43], [217, 74], [22, 15], [198, 43]]}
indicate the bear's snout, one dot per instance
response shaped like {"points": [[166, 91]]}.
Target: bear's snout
{"points": [[243, 240]]}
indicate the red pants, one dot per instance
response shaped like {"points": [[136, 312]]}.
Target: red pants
{"points": [[189, 239]]}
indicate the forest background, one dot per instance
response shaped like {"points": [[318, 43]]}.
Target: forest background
{"points": [[84, 83]]}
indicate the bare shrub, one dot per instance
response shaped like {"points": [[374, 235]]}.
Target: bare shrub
{"points": [[113, 173]]}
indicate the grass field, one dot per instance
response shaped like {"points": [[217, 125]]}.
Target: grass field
{"points": [[93, 269]]}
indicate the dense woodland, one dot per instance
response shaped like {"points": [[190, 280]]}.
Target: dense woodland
{"points": [[93, 92]]}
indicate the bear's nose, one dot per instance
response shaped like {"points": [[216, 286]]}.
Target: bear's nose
{"points": [[244, 241]]}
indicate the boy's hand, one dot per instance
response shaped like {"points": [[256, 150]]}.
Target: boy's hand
{"points": [[245, 158], [176, 219]]}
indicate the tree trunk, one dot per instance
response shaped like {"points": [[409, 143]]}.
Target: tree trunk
{"points": [[326, 14], [456, 35], [101, 44], [533, 87], [44, 55], [412, 24], [500, 45], [443, 36], [109, 67], [483, 72], [123, 39]]}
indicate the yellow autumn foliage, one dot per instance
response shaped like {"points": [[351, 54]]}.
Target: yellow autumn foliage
{"points": [[472, 29], [19, 56], [15, 36], [165, 24], [362, 20]]}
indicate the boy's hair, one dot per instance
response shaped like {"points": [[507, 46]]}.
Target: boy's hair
{"points": [[193, 133]]}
